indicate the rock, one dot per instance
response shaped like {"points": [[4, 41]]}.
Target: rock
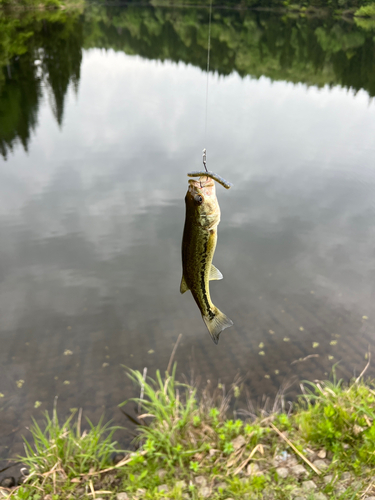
{"points": [[252, 469], [292, 461], [320, 496], [200, 481], [282, 472], [322, 454], [346, 476], [122, 496], [309, 453], [295, 492], [222, 485], [162, 473], [321, 465], [356, 485], [238, 442], [308, 486], [299, 470], [8, 482], [181, 484], [205, 492], [340, 489], [328, 479], [162, 487]]}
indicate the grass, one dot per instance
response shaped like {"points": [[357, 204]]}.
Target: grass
{"points": [[61, 452], [188, 448], [340, 419]]}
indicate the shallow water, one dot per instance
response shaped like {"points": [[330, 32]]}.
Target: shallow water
{"points": [[91, 214]]}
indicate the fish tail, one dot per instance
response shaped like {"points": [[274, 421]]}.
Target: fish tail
{"points": [[217, 324]]}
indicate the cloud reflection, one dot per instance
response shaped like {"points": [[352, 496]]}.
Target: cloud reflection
{"points": [[114, 179]]}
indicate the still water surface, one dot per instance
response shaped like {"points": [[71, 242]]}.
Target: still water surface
{"points": [[92, 213]]}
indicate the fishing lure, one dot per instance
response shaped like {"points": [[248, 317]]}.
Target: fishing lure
{"points": [[212, 175]]}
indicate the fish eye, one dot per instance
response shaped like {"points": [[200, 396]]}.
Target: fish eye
{"points": [[198, 199]]}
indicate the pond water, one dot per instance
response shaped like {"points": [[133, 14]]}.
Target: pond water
{"points": [[102, 115]]}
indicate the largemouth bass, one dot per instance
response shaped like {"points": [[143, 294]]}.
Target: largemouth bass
{"points": [[198, 248]]}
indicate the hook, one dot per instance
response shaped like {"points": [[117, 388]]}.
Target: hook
{"points": [[205, 159]]}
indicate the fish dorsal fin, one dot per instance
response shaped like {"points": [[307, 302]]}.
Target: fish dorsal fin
{"points": [[215, 274], [183, 287]]}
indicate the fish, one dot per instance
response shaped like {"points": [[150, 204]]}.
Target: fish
{"points": [[198, 248]]}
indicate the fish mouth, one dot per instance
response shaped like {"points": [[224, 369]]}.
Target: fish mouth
{"points": [[204, 186]]}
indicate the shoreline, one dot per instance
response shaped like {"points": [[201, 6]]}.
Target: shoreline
{"points": [[189, 448], [363, 11]]}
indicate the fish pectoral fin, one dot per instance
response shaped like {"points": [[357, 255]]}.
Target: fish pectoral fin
{"points": [[183, 287], [217, 324], [215, 274]]}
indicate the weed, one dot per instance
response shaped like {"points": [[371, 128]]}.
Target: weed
{"points": [[341, 419], [61, 451], [174, 409], [190, 441]]}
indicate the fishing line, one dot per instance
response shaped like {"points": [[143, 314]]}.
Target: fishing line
{"points": [[208, 69], [206, 172]]}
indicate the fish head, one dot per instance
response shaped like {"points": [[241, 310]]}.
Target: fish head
{"points": [[201, 202]]}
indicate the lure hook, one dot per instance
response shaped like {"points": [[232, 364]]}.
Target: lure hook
{"points": [[204, 162], [205, 159]]}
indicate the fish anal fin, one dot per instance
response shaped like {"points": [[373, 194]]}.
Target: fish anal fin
{"points": [[217, 324], [215, 274], [183, 287]]}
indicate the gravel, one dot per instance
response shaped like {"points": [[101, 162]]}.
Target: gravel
{"points": [[299, 470], [282, 472]]}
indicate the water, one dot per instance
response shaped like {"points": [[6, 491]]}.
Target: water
{"points": [[102, 116]]}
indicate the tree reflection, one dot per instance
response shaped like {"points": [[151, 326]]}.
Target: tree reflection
{"points": [[42, 49], [45, 49]]}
